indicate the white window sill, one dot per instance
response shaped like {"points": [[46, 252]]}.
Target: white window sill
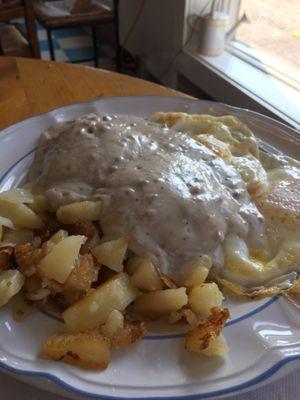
{"points": [[229, 79]]}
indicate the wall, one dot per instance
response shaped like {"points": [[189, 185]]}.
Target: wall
{"points": [[158, 35]]}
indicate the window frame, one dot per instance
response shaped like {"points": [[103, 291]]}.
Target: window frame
{"points": [[241, 50]]}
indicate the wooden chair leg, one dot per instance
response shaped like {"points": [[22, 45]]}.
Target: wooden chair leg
{"points": [[117, 35], [50, 44], [31, 28], [95, 45]]}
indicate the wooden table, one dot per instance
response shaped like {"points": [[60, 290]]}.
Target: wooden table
{"points": [[29, 87]]}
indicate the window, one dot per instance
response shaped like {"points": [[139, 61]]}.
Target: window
{"points": [[269, 37]]}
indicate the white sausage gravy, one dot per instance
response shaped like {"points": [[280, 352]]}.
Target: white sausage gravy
{"points": [[170, 193]]}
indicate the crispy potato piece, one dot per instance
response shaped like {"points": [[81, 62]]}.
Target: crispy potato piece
{"points": [[59, 263], [185, 313], [205, 334], [18, 236], [114, 324], [7, 223], [112, 253], [11, 282], [160, 302], [80, 279], [199, 269], [40, 203], [27, 258], [91, 311], [88, 350], [17, 195], [20, 215], [146, 277], [133, 263], [205, 296], [216, 347], [79, 212], [122, 334], [168, 282], [88, 229], [6, 253], [131, 333]]}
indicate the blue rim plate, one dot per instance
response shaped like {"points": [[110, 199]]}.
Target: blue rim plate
{"points": [[263, 335]]}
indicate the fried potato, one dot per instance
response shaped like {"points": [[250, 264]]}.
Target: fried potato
{"points": [[7, 223], [27, 258], [133, 263], [112, 253], [59, 263], [204, 336], [205, 296], [114, 324], [6, 253], [122, 334], [80, 279], [20, 215], [160, 302], [146, 277], [186, 314], [167, 281], [17, 195], [89, 350], [40, 203], [216, 347], [130, 333], [199, 269], [11, 282], [93, 310], [20, 236], [79, 212]]}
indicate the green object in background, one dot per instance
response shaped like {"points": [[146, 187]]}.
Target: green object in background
{"points": [[296, 34]]}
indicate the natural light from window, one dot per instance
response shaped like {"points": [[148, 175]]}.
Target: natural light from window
{"points": [[271, 35]]}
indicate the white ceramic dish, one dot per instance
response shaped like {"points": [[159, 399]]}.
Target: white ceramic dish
{"points": [[263, 336]]}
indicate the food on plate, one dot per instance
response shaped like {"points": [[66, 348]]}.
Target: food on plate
{"points": [[125, 220]]}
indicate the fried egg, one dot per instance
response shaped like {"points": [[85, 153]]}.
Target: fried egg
{"points": [[273, 183]]}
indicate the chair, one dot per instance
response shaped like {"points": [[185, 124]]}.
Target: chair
{"points": [[60, 14], [11, 9]]}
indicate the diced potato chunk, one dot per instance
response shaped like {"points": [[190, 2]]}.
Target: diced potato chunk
{"points": [[17, 195], [79, 212], [59, 263], [217, 347], [11, 282], [146, 276], [161, 302], [133, 263], [93, 310], [21, 215], [40, 203], [199, 270], [128, 335], [112, 253], [80, 279], [205, 296], [205, 338], [18, 236], [113, 324], [89, 350], [7, 223]]}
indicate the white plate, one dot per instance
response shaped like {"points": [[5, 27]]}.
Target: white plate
{"points": [[263, 336]]}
